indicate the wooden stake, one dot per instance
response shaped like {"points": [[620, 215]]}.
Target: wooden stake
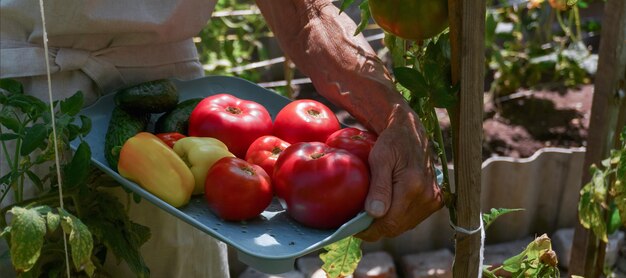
{"points": [[467, 32], [603, 124]]}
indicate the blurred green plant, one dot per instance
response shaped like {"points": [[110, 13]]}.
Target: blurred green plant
{"points": [[537, 260], [523, 53], [34, 225], [598, 211], [234, 37]]}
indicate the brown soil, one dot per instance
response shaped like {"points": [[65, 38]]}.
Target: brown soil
{"points": [[531, 120]]}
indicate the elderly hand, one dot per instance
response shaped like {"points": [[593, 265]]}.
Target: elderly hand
{"points": [[403, 191]]}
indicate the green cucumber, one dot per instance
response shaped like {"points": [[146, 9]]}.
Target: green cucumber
{"points": [[177, 120], [152, 97], [122, 126]]}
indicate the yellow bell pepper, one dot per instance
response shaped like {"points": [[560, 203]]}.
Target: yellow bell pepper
{"points": [[149, 162], [200, 153]]}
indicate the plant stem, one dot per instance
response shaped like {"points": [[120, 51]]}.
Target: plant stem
{"points": [[441, 152], [566, 29], [5, 150], [577, 23]]}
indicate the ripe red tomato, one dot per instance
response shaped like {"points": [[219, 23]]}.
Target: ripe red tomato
{"points": [[305, 120], [353, 140], [234, 121], [323, 187], [237, 190], [411, 19], [170, 138], [265, 150]]}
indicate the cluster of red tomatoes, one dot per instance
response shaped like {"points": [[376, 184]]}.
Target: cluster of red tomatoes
{"points": [[303, 157]]}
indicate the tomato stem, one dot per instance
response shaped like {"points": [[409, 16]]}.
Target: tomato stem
{"points": [[233, 110], [317, 155], [357, 137], [276, 151], [313, 113], [248, 171]]}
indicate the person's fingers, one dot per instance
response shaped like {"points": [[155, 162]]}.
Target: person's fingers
{"points": [[378, 198], [415, 197]]}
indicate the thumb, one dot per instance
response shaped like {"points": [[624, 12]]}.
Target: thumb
{"points": [[379, 196]]}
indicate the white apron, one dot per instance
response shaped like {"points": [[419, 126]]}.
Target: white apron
{"points": [[98, 46]]}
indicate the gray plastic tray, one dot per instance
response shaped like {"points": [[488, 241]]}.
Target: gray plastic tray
{"points": [[269, 243]]}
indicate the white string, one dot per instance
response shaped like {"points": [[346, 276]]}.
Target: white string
{"points": [[54, 130], [480, 229]]}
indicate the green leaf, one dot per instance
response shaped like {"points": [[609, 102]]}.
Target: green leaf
{"points": [[365, 17], [72, 105], [538, 257], [494, 213], [342, 257], [411, 79], [35, 179], [85, 125], [620, 182], [81, 242], [27, 231], [77, 171], [11, 123], [12, 86], [25, 103], [5, 231], [53, 220], [34, 137], [344, 5], [615, 221], [6, 179], [590, 206], [110, 224], [444, 97], [8, 136]]}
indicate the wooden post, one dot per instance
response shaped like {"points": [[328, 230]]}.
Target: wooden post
{"points": [[603, 124], [467, 32]]}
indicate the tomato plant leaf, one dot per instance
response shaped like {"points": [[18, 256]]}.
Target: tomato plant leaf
{"points": [[620, 180], [342, 257], [592, 201], [8, 136], [53, 220], [411, 79], [35, 179], [5, 232], [34, 137], [72, 105], [27, 231], [11, 123], [615, 221], [80, 240], [77, 171], [494, 213], [85, 126], [537, 260], [111, 226], [12, 86], [365, 17], [344, 5], [444, 97]]}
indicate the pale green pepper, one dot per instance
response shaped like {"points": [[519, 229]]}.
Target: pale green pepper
{"points": [[200, 153]]}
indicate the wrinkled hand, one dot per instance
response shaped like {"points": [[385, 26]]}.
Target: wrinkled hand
{"points": [[403, 191]]}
